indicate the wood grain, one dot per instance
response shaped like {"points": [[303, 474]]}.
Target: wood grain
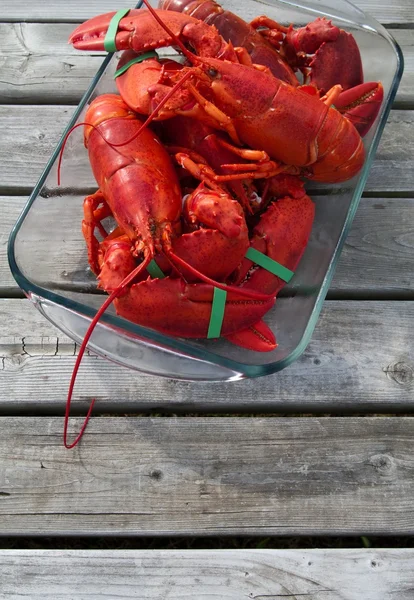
{"points": [[141, 476], [380, 246], [405, 39], [360, 358], [38, 66], [208, 575], [378, 256], [30, 134], [400, 11]]}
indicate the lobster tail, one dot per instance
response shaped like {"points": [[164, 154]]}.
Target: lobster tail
{"points": [[341, 151]]}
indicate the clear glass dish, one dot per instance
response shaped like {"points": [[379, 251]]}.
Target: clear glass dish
{"points": [[47, 253]]}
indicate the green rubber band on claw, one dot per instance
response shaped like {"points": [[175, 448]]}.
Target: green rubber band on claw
{"points": [[269, 264], [134, 61], [109, 41], [154, 270], [217, 313]]}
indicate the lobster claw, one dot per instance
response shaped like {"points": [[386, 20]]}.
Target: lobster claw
{"points": [[90, 35], [336, 57], [282, 234], [361, 105], [181, 309], [258, 337], [139, 31]]}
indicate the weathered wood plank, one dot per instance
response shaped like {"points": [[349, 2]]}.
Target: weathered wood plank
{"points": [[38, 65], [208, 574], [11, 207], [378, 255], [208, 476], [30, 133], [405, 39], [401, 11], [361, 357], [380, 246]]}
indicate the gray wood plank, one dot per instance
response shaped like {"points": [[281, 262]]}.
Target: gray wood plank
{"points": [[380, 245], [400, 11], [378, 256], [30, 133], [143, 476], [360, 358], [208, 574], [405, 39], [74, 11], [38, 65]]}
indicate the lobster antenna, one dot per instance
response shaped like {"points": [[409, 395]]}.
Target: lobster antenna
{"points": [[156, 110], [65, 139], [82, 349], [222, 286], [190, 55], [151, 117]]}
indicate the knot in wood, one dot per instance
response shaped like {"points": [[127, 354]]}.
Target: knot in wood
{"points": [[382, 463], [400, 372]]}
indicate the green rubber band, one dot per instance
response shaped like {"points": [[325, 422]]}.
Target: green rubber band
{"points": [[154, 270], [269, 264], [134, 61], [217, 313], [109, 41]]}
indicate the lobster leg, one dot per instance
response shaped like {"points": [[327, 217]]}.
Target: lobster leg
{"points": [[273, 31], [223, 121], [95, 209], [250, 171], [332, 95]]}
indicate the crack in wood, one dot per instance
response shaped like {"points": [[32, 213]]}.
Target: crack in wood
{"points": [[288, 595], [20, 36]]}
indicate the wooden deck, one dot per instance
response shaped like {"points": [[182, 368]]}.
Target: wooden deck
{"points": [[207, 575], [256, 470]]}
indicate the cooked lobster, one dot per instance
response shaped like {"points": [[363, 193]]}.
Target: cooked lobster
{"points": [[245, 219], [325, 54], [251, 104]]}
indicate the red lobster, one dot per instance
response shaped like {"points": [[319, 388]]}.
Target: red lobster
{"points": [[235, 30], [262, 111], [138, 186], [325, 54], [139, 189]]}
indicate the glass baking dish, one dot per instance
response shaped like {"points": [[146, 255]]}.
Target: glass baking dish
{"points": [[48, 259]]}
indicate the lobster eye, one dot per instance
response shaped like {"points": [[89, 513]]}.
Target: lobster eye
{"points": [[213, 73]]}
